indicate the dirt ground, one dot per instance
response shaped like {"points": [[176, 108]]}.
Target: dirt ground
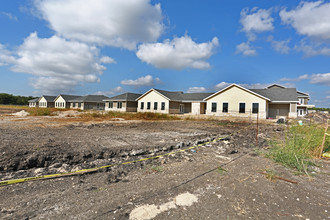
{"points": [[221, 180]]}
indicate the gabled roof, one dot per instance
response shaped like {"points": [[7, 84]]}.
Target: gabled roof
{"points": [[275, 85], [301, 94], [48, 98], [67, 97], [245, 89], [89, 98], [178, 96], [34, 100], [128, 96]]}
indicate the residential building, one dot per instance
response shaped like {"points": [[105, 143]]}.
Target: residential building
{"points": [[46, 101], [62, 101], [124, 102], [161, 101], [303, 106], [34, 102], [88, 102], [271, 102]]}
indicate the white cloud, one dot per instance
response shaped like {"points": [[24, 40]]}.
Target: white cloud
{"points": [[106, 59], [57, 64], [178, 54], [317, 78], [313, 49], [9, 15], [5, 56], [279, 46], [196, 90], [320, 79], [115, 23], [309, 18], [256, 21], [147, 80], [305, 76], [327, 97], [246, 49], [111, 92], [223, 85]]}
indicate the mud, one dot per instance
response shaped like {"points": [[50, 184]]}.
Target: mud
{"points": [[44, 145]]}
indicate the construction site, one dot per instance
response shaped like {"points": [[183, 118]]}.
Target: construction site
{"points": [[69, 166]]}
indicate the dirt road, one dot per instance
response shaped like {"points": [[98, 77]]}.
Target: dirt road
{"points": [[222, 180]]}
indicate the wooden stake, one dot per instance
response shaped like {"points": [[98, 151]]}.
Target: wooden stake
{"points": [[257, 129], [325, 133]]}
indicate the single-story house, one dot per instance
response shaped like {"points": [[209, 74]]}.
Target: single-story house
{"points": [[88, 102], [161, 101], [46, 101], [124, 102], [271, 102], [62, 101], [34, 102]]}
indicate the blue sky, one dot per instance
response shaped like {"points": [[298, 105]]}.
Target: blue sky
{"points": [[113, 46]]}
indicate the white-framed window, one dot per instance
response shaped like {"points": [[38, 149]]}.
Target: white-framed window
{"points": [[301, 101], [225, 107], [214, 107]]}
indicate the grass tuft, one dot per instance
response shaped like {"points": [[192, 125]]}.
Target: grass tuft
{"points": [[297, 149]]}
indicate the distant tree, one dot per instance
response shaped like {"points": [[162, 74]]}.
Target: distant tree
{"points": [[9, 99]]}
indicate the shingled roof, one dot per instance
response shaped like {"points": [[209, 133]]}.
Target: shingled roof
{"points": [[181, 96], [34, 100], [128, 96], [49, 98], [276, 94], [69, 97], [89, 98], [195, 96]]}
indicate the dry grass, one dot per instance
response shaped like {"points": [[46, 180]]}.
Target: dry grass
{"points": [[129, 115]]}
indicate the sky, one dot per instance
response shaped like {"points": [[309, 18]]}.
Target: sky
{"points": [[51, 47]]}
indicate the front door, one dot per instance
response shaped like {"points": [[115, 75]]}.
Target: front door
{"points": [[181, 108], [300, 112]]}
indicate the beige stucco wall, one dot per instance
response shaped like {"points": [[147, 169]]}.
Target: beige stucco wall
{"points": [[233, 96], [61, 100], [152, 97], [195, 108], [42, 103]]}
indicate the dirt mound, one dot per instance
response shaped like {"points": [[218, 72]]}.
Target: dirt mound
{"points": [[22, 113], [318, 117]]}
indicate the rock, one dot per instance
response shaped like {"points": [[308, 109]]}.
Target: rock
{"points": [[39, 171], [56, 165]]}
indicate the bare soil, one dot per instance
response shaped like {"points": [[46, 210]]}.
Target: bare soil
{"points": [[184, 185]]}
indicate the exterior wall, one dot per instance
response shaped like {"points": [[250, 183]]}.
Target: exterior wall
{"points": [[175, 107], [153, 97], [301, 111], [61, 103], [115, 106], [195, 108], [233, 96], [131, 106], [42, 103], [32, 104], [187, 107], [277, 110]]}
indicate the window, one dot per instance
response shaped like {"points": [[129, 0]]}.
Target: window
{"points": [[110, 104], [142, 105], [241, 107], [255, 107], [119, 104], [214, 107], [163, 105], [79, 105], [155, 105], [148, 105], [301, 101], [225, 107], [73, 105]]}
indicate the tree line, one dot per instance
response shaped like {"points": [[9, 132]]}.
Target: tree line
{"points": [[9, 99]]}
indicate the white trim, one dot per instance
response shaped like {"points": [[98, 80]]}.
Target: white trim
{"points": [[228, 87], [284, 102]]}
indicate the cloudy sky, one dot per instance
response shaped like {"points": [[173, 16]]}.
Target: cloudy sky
{"points": [[113, 46]]}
